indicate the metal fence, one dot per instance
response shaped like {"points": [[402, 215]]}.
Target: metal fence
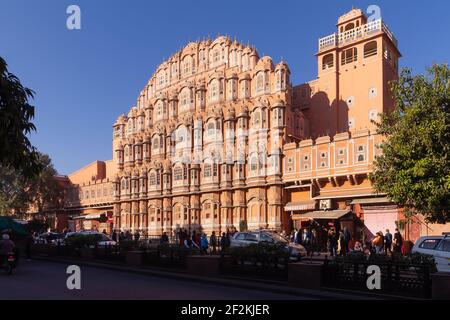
{"points": [[396, 278], [269, 266]]}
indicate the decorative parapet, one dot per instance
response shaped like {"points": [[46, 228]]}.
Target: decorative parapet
{"points": [[361, 32]]}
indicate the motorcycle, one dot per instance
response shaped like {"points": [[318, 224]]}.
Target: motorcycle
{"points": [[9, 263]]}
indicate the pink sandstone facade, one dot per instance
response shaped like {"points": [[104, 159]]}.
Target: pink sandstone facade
{"points": [[219, 136]]}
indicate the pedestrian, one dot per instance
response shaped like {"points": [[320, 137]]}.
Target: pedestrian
{"points": [[388, 242], [204, 244], [224, 243], [298, 237], [136, 235], [397, 242], [377, 242], [114, 236], [213, 242], [342, 243], [332, 242], [104, 231], [348, 238], [358, 247], [164, 239], [315, 242]]}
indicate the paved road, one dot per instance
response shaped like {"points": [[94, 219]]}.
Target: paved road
{"points": [[47, 280]]}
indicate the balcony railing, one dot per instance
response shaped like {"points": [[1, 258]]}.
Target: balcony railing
{"points": [[355, 34]]}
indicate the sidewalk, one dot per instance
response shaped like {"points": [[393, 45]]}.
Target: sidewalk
{"points": [[255, 284]]}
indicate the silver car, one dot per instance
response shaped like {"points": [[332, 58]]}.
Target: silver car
{"points": [[247, 238], [438, 247]]}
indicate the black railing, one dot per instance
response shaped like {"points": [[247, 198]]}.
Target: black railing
{"points": [[112, 253], [395, 278], [167, 256], [268, 266]]}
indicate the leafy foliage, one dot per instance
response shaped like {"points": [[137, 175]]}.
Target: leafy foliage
{"points": [[18, 192], [83, 240], [414, 168], [16, 114]]}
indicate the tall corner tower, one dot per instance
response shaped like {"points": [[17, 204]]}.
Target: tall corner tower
{"points": [[355, 66]]}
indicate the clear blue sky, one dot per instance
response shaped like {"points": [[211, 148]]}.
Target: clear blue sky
{"points": [[85, 78]]}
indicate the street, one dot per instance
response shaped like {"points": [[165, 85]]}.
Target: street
{"points": [[47, 280]]}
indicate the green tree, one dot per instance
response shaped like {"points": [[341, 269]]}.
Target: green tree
{"points": [[18, 191], [15, 124], [414, 169]]}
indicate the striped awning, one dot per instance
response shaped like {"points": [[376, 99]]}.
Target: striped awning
{"points": [[370, 200], [328, 215], [298, 206]]}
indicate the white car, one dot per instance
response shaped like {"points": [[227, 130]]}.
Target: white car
{"points": [[247, 238], [438, 247], [105, 240]]}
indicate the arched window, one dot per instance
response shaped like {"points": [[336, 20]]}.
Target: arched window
{"points": [[214, 90], [349, 26], [211, 129], [256, 119], [159, 110], [328, 61], [259, 82], [253, 164], [349, 56], [206, 170], [178, 173], [185, 98], [155, 144], [187, 66], [370, 49]]}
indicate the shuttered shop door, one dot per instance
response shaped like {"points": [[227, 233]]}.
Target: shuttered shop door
{"points": [[380, 218]]}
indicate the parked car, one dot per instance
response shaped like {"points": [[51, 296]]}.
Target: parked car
{"points": [[253, 237], [438, 247], [49, 238], [105, 240]]}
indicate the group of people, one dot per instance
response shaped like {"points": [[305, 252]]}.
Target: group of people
{"points": [[200, 241], [388, 243], [339, 242]]}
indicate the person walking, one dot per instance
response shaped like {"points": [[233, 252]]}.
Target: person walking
{"points": [[204, 244], [348, 238], [213, 242], [388, 242], [397, 242], [164, 239], [377, 242], [332, 242], [342, 243], [224, 243]]}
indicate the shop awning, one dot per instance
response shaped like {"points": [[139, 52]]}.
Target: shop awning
{"points": [[370, 200], [78, 218], [331, 214], [301, 205], [330, 194]]}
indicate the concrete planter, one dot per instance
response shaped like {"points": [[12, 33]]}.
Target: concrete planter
{"points": [[203, 265], [440, 286], [134, 258], [305, 275]]}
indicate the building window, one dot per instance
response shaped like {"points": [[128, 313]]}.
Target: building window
{"points": [[328, 61], [370, 49], [207, 170], [349, 56], [372, 93], [259, 83], [178, 174], [373, 114]]}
